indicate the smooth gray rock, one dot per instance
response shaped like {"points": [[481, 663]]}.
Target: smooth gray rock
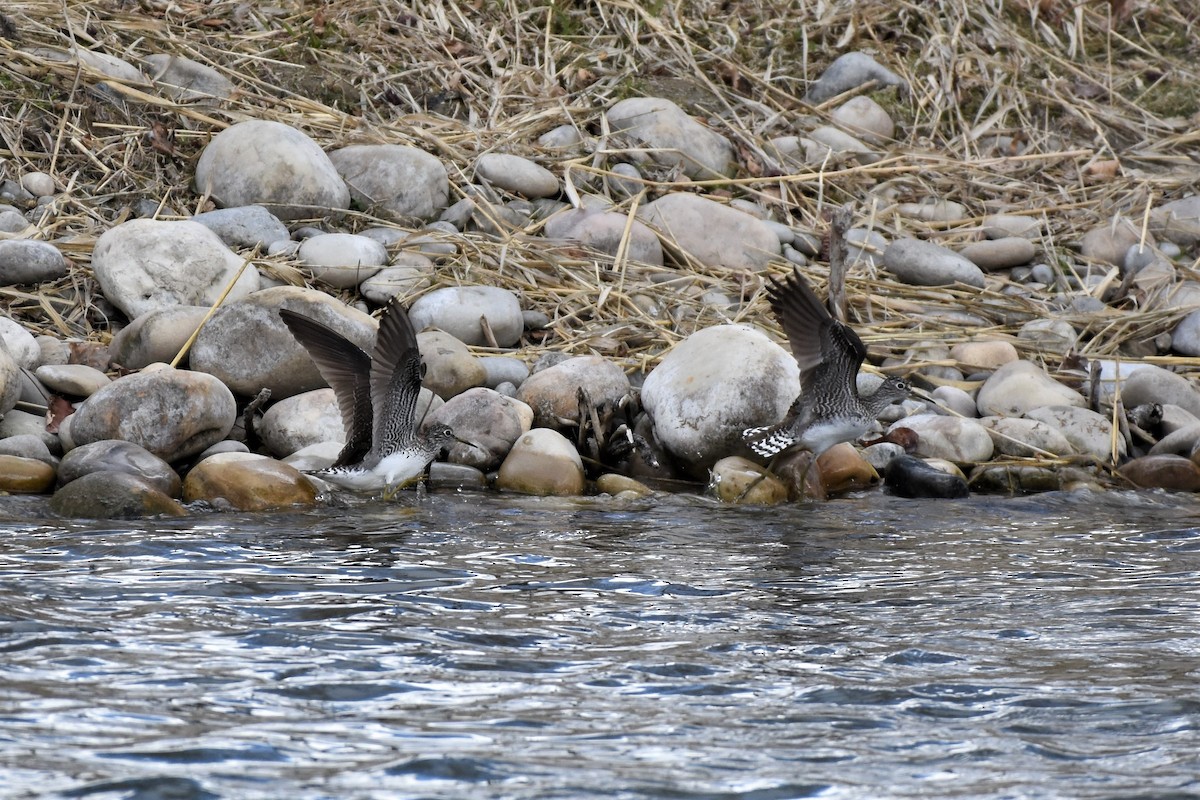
{"points": [[926, 264], [342, 260], [963, 441], [1109, 243], [713, 233], [1000, 226], [1050, 335], [116, 455], [604, 231], [1021, 386], [113, 495], [12, 221], [246, 345], [38, 184], [404, 182], [30, 261], [502, 369], [409, 274], [713, 385], [564, 137], [863, 246], [487, 419], [1019, 436], [1088, 432], [244, 226], [20, 423], [1178, 221], [1154, 384], [516, 174], [865, 119], [28, 445], [673, 138], [146, 264], [301, 420], [20, 343], [993, 254], [909, 476], [156, 336], [73, 380], [274, 165], [183, 79], [457, 310], [172, 413], [849, 71], [451, 368]]}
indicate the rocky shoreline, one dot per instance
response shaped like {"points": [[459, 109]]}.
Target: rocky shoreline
{"points": [[201, 395]]}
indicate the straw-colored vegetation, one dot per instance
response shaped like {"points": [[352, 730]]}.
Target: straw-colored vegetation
{"points": [[1101, 101]]}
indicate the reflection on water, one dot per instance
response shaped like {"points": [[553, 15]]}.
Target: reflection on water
{"points": [[490, 646]]}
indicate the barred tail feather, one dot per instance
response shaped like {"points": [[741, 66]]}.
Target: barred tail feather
{"points": [[769, 441]]}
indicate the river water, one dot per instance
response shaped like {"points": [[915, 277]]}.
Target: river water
{"points": [[488, 646]]}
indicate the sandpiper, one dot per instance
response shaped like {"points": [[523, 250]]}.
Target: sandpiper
{"points": [[828, 409], [377, 396]]}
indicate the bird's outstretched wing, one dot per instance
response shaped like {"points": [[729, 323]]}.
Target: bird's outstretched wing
{"points": [[396, 373], [346, 368], [829, 352]]}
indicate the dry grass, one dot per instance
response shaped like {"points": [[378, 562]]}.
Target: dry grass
{"points": [[1072, 112]]}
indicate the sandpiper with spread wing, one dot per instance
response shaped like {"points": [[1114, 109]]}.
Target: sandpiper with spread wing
{"points": [[829, 408], [377, 396]]}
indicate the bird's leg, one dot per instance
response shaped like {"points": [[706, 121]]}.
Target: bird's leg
{"points": [[761, 476]]}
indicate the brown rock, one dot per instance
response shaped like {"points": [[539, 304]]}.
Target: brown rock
{"points": [[1163, 472], [113, 495], [843, 469], [20, 475], [248, 483], [733, 475], [542, 462]]}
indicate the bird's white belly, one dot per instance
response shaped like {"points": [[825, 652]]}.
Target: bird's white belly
{"points": [[823, 435], [399, 467]]}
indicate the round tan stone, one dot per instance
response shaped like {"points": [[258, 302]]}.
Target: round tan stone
{"points": [[614, 484], [247, 482], [732, 476], [19, 475], [542, 462], [983, 356], [843, 469], [1163, 472]]}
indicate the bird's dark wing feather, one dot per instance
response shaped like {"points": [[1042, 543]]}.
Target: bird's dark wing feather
{"points": [[346, 368], [826, 350], [395, 380]]}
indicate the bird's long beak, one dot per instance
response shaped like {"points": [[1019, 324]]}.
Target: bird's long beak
{"points": [[468, 443]]}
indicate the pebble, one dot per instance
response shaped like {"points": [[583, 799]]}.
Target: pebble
{"points": [[397, 180], [245, 226], [866, 119], [604, 231], [183, 79], [1021, 386], [963, 441], [880, 454], [155, 336], [342, 260], [1050, 335], [409, 274], [455, 476], [1000, 226], [246, 345], [502, 369], [713, 233], [1014, 479], [624, 181], [956, 400], [487, 419], [1185, 338], [621, 485], [909, 476], [542, 462], [248, 482], [734, 368], [451, 368], [38, 184], [553, 393], [461, 310], [1178, 221], [1088, 432], [843, 469], [933, 210], [19, 343], [146, 264], [113, 495], [28, 445], [301, 420], [19, 475], [1005, 253], [926, 264], [274, 165], [12, 221], [1109, 243], [733, 475], [849, 71], [983, 356], [1022, 437], [172, 413], [1154, 384], [864, 248], [563, 137], [115, 455], [516, 174], [1171, 472], [73, 380], [18, 423], [838, 141], [659, 131], [28, 261]]}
